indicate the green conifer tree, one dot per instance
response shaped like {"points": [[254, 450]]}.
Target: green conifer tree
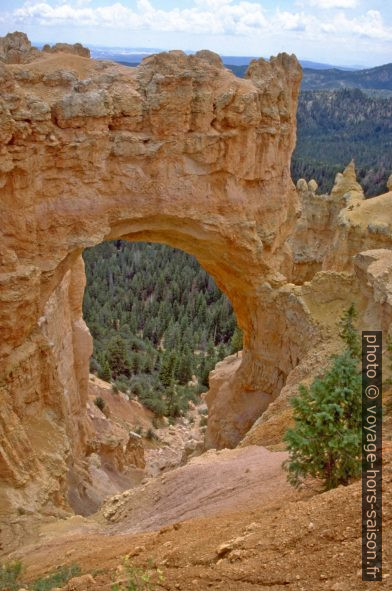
{"points": [[105, 373], [117, 356], [166, 373], [236, 341], [183, 370], [325, 441], [348, 332]]}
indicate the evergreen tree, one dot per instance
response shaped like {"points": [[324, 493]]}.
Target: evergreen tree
{"points": [[166, 374], [171, 397], [221, 352], [105, 373], [184, 367], [176, 404], [236, 341], [348, 332], [135, 363], [206, 366], [117, 356], [325, 442]]}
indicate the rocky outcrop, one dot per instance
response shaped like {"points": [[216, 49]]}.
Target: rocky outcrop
{"points": [[114, 462], [16, 48], [333, 228], [115, 451], [75, 48], [313, 232], [330, 238]]}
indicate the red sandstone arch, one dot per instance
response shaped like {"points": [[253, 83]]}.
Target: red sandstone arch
{"points": [[177, 151]]}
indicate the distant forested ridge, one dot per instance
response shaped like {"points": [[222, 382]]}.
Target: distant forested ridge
{"points": [[336, 126], [157, 318], [379, 78]]}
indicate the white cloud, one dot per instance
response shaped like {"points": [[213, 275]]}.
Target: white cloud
{"points": [[291, 21], [333, 3], [209, 17], [370, 25], [213, 16]]}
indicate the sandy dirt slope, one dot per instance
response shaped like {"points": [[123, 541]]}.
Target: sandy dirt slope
{"points": [[262, 535], [210, 484], [128, 413]]}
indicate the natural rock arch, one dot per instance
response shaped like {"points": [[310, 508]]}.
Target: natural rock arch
{"points": [[182, 152], [177, 151]]}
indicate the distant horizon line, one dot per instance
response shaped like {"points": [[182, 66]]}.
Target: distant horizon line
{"points": [[138, 51]]}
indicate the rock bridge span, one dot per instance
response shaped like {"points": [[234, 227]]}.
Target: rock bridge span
{"points": [[177, 151]]}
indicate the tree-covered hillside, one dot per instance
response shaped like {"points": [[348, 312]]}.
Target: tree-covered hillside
{"points": [[336, 126], [379, 78], [335, 79], [157, 319]]}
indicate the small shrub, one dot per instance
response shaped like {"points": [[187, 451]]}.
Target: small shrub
{"points": [[203, 421], [135, 578], [122, 384], [156, 423], [157, 405], [151, 434], [58, 578], [236, 343], [115, 389], [104, 371], [9, 575], [95, 366], [100, 403], [139, 430]]}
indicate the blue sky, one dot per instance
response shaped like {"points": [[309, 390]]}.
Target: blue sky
{"points": [[343, 32]]}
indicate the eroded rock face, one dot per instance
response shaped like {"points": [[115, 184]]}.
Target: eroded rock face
{"points": [[177, 151], [333, 228], [114, 460], [333, 269], [16, 48], [75, 48]]}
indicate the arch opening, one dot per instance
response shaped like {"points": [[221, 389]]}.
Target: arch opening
{"points": [[159, 326], [159, 322]]}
